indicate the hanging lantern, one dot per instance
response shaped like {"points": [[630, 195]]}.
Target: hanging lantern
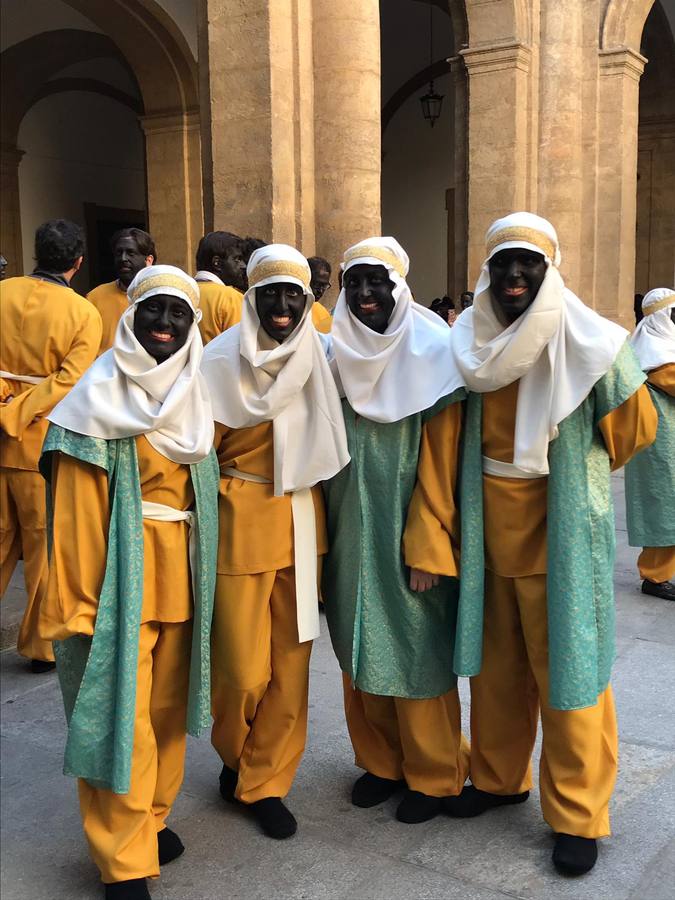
{"points": [[431, 105]]}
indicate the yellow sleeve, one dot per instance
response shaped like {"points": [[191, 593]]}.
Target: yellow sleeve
{"points": [[322, 319], [663, 378], [431, 536], [38, 401], [629, 428], [79, 549]]}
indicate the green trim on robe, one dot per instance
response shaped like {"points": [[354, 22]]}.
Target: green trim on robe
{"points": [[98, 674], [391, 641], [650, 482], [580, 539]]}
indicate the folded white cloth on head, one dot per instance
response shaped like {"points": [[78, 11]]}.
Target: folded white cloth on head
{"points": [[654, 338]]}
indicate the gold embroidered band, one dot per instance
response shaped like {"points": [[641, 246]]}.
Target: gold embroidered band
{"points": [[279, 267], [520, 233], [167, 280], [659, 305], [381, 253]]}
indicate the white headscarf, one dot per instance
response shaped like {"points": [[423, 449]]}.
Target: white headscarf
{"points": [[253, 379], [558, 347], [126, 392], [386, 377], [654, 338]]}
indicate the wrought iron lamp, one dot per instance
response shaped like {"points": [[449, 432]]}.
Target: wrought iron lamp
{"points": [[431, 101]]}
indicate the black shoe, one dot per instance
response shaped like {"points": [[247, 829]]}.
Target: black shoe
{"points": [[274, 818], [574, 855], [228, 784], [38, 666], [134, 889], [417, 807], [472, 802], [370, 790], [663, 589], [169, 846]]}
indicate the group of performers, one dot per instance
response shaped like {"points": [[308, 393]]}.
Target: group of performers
{"points": [[444, 492]]}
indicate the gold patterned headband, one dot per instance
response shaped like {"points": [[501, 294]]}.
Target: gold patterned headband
{"points": [[173, 281], [659, 305], [386, 256], [280, 267], [521, 233]]}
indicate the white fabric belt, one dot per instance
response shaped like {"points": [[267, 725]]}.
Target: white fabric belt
{"points": [[304, 555], [26, 379], [159, 512], [506, 470]]}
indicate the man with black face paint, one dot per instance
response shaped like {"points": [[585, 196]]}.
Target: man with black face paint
{"points": [[391, 360], [133, 249], [279, 432], [556, 401], [134, 483], [221, 275]]}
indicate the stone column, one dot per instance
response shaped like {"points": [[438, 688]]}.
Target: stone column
{"points": [[173, 167], [258, 130], [10, 220], [500, 129], [457, 280], [620, 71], [347, 106], [560, 129]]}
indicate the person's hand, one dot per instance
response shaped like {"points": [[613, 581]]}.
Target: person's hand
{"points": [[421, 580]]}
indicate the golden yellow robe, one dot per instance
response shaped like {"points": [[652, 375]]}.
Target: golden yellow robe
{"points": [[260, 673], [111, 301], [322, 319], [221, 309], [121, 829], [49, 331], [579, 753]]}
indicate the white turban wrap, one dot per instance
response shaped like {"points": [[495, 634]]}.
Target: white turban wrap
{"points": [[654, 338]]}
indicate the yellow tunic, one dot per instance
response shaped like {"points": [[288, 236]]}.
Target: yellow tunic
{"points": [[322, 319], [80, 497], [221, 309], [49, 331], [121, 829], [111, 301], [255, 527], [260, 673]]}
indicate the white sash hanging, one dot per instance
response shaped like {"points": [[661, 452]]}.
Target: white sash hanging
{"points": [[506, 470], [304, 555], [26, 379], [160, 512]]}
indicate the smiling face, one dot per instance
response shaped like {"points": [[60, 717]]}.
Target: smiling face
{"points": [[369, 295], [162, 324], [280, 306], [128, 260], [515, 278]]}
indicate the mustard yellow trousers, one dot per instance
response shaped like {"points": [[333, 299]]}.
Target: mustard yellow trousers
{"points": [[580, 747], [418, 740], [23, 533], [260, 682], [121, 829], [657, 563]]}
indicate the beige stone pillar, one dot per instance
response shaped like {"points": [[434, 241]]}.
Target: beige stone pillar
{"points": [[10, 219], [458, 277], [347, 106], [560, 129], [500, 129], [620, 71], [257, 110], [173, 167]]}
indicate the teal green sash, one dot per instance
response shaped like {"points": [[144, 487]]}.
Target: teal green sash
{"points": [[98, 675]]}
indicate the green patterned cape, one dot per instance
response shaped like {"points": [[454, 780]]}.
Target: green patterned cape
{"points": [[650, 482], [581, 544], [98, 674], [390, 640]]}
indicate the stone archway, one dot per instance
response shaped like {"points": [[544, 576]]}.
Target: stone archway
{"points": [[167, 75]]}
